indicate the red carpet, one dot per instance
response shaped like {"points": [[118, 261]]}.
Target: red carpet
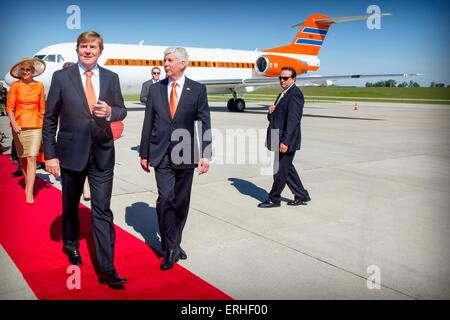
{"points": [[31, 235]]}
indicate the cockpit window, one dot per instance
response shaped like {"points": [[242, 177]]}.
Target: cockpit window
{"points": [[50, 58]]}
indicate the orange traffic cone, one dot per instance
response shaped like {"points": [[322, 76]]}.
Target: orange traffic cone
{"points": [[356, 108]]}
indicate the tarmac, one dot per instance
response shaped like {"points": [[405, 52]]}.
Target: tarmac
{"points": [[378, 225]]}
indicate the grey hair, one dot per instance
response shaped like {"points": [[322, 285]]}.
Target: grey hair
{"points": [[180, 53]]}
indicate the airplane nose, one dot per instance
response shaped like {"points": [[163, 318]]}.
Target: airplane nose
{"points": [[8, 79]]}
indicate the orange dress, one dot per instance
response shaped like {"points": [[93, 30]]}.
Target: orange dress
{"points": [[27, 102]]}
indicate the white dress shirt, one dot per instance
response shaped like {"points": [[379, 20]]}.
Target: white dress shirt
{"points": [[95, 79], [180, 85]]}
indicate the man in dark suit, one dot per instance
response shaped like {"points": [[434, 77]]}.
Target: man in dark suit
{"points": [[156, 73], [84, 99], [3, 99], [168, 144], [284, 138]]}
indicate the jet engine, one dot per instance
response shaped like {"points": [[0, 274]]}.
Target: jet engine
{"points": [[270, 65]]}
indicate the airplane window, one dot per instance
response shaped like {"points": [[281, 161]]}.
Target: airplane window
{"points": [[60, 58], [40, 56], [50, 58]]}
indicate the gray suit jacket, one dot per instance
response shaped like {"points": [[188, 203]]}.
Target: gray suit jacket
{"points": [[144, 92]]}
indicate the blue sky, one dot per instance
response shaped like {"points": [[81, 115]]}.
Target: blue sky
{"points": [[414, 39]]}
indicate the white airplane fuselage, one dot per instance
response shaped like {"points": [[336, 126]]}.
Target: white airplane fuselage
{"points": [[136, 62], [221, 70]]}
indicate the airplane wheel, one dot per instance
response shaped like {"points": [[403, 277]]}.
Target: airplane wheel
{"points": [[239, 105], [231, 106]]}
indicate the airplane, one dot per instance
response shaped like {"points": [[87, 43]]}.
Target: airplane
{"points": [[221, 70]]}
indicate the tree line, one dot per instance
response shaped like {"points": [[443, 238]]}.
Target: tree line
{"points": [[411, 84]]}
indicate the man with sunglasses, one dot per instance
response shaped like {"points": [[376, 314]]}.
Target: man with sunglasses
{"points": [[284, 137], [156, 73]]}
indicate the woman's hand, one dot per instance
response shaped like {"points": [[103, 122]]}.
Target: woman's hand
{"points": [[17, 129]]}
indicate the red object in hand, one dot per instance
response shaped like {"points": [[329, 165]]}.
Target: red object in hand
{"points": [[117, 129]]}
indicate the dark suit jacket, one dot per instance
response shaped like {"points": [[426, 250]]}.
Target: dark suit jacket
{"points": [[80, 131], [286, 118], [161, 134], [3, 95]]}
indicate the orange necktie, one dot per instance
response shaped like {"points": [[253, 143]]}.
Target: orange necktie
{"points": [[173, 99], [89, 89]]}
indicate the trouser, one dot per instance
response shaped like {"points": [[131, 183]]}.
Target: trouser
{"points": [[100, 182], [172, 206], [286, 174]]}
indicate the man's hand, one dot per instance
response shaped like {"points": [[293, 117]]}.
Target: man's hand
{"points": [[283, 148], [144, 165], [101, 109], [52, 166], [203, 166], [271, 109]]}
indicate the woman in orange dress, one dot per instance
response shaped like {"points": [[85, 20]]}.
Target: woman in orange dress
{"points": [[25, 107]]}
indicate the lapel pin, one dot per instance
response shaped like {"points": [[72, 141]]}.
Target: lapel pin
{"points": [[188, 89]]}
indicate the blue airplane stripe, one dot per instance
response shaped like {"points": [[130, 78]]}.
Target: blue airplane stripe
{"points": [[308, 41], [315, 31]]}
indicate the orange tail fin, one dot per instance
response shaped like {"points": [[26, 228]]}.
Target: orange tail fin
{"points": [[309, 39]]}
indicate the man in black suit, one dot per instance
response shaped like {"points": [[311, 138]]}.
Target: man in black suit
{"points": [[168, 144], [284, 138], [156, 73], [84, 99]]}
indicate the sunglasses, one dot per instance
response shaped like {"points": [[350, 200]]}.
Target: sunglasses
{"points": [[156, 72], [25, 69], [284, 78]]}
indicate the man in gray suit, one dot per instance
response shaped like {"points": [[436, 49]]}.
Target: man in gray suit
{"points": [[83, 100], [156, 73]]}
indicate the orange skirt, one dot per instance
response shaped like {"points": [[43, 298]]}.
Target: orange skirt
{"points": [[28, 142]]}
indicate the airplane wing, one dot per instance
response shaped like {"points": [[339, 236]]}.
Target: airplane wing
{"points": [[269, 81]]}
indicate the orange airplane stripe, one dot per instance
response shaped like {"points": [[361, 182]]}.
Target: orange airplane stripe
{"points": [[196, 64]]}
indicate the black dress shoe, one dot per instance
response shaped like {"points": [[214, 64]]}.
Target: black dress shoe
{"points": [[112, 278], [269, 204], [299, 201], [170, 258], [74, 256], [183, 254]]}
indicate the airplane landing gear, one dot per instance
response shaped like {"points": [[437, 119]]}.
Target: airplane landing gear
{"points": [[236, 104]]}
